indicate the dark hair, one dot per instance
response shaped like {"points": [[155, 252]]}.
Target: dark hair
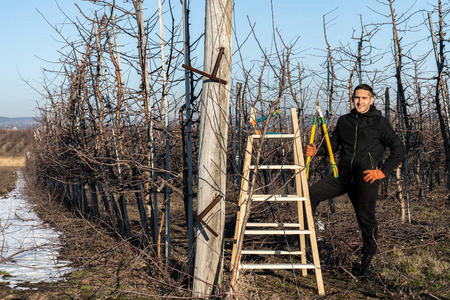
{"points": [[365, 87]]}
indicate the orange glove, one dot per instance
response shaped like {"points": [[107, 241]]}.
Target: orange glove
{"points": [[310, 150], [373, 175]]}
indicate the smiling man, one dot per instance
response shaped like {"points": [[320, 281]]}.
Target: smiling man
{"points": [[363, 99], [361, 138]]}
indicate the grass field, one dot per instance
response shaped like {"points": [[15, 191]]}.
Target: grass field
{"points": [[15, 142], [8, 178], [13, 147]]}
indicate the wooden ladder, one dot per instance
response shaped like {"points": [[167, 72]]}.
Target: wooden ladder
{"points": [[302, 229]]}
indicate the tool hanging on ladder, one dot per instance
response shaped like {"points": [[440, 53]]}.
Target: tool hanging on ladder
{"points": [[274, 114], [254, 122]]}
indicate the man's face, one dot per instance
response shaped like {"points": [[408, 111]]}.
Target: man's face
{"points": [[363, 100]]}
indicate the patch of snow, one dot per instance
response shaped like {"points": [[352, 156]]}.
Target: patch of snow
{"points": [[28, 247], [320, 225]]}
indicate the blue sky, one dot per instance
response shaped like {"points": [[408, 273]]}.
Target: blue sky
{"points": [[30, 44]]}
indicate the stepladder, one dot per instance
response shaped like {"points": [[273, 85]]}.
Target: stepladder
{"points": [[274, 179]]}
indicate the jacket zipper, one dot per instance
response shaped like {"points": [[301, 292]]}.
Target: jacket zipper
{"points": [[354, 146], [371, 161]]}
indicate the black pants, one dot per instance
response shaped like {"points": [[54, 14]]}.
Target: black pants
{"points": [[363, 196]]}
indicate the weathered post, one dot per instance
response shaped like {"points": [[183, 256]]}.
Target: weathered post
{"points": [[213, 144]]}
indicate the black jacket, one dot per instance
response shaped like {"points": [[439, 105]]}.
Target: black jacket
{"points": [[361, 140]]}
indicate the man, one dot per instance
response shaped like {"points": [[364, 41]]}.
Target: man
{"points": [[361, 137]]}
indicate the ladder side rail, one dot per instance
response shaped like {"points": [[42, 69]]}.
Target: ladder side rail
{"points": [[297, 145], [243, 197], [243, 200], [246, 205], [299, 159]]}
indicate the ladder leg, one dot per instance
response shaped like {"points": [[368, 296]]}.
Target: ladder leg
{"points": [[235, 256], [302, 239], [303, 190]]}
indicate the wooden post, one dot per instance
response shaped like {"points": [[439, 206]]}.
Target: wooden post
{"points": [[213, 145]]}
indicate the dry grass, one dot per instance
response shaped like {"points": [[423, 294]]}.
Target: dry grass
{"points": [[8, 177], [13, 147], [15, 142], [12, 161]]}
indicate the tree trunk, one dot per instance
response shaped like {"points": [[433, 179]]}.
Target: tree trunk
{"points": [[404, 124], [188, 171], [440, 89], [399, 195], [239, 135]]}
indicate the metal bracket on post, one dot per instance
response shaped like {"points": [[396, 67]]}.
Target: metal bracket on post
{"points": [[212, 76], [205, 211]]}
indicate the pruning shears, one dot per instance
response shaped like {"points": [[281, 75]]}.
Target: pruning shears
{"points": [[254, 122], [327, 139]]}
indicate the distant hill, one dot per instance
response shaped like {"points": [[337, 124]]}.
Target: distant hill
{"points": [[20, 123]]}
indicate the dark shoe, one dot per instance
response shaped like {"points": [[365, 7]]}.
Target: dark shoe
{"points": [[292, 245], [365, 272], [366, 266]]}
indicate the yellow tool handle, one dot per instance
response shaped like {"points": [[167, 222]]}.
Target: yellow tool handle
{"points": [[311, 141], [330, 151]]}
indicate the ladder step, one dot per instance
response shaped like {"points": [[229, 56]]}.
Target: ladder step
{"points": [[277, 252], [297, 225], [275, 266], [276, 167], [277, 232], [279, 198], [274, 136]]}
